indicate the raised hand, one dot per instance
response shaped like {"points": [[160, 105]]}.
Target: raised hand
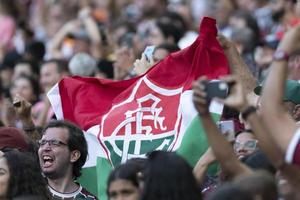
{"points": [[22, 107], [291, 41], [199, 96], [236, 98], [142, 65]]}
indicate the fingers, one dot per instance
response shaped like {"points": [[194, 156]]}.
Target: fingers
{"points": [[231, 79], [17, 100], [221, 101], [143, 57], [200, 95], [151, 60], [224, 42], [199, 100], [222, 39]]}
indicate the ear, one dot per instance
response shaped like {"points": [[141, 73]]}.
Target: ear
{"points": [[75, 155], [296, 112]]}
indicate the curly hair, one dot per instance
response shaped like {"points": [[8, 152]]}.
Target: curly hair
{"points": [[25, 176], [76, 141]]}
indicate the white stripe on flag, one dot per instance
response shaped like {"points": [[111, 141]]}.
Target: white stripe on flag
{"points": [[94, 148], [55, 100]]}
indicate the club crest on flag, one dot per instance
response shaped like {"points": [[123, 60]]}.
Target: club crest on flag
{"points": [[142, 122]]}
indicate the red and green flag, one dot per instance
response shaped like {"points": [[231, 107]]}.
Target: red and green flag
{"points": [[127, 119]]}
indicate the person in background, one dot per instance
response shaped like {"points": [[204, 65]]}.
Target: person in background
{"points": [[51, 72], [82, 64], [160, 52], [25, 67], [123, 181], [8, 14], [164, 32], [26, 87]]}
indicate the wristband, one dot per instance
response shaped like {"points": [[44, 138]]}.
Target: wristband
{"points": [[249, 110], [280, 55]]}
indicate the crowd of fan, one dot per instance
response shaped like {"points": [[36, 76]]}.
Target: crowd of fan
{"points": [[42, 41]]}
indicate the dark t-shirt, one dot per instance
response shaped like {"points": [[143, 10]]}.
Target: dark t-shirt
{"points": [[79, 194]]}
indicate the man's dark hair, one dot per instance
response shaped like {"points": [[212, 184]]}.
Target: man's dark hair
{"points": [[258, 160], [32, 64], [172, 17], [168, 47], [170, 30], [76, 141], [9, 60], [260, 183], [35, 50], [25, 176], [230, 191], [61, 65]]}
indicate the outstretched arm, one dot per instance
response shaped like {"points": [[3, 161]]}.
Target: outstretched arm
{"points": [[222, 149], [274, 116], [202, 165], [238, 101], [237, 66]]}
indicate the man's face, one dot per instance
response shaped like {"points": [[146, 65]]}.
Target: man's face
{"points": [[49, 76], [245, 144], [54, 153]]}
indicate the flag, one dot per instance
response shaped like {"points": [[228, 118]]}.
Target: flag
{"points": [[127, 119]]}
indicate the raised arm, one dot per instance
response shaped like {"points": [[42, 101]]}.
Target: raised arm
{"points": [[237, 100], [221, 148], [202, 165], [56, 42], [274, 116], [92, 30], [237, 65]]}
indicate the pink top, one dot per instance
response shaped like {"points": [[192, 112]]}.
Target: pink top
{"points": [[7, 31], [37, 109]]}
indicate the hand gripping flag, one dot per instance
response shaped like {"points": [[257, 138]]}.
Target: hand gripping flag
{"points": [[127, 119]]}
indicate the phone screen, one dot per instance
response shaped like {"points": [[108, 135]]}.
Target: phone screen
{"points": [[227, 129], [148, 52]]}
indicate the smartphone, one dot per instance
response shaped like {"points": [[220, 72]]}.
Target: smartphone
{"points": [[216, 88], [148, 52], [227, 129]]}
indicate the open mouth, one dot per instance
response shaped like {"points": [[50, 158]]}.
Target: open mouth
{"points": [[47, 161]]}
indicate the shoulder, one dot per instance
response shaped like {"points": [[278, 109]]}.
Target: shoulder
{"points": [[84, 194]]}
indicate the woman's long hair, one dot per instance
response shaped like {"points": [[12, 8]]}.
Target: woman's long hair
{"points": [[25, 176], [167, 176]]}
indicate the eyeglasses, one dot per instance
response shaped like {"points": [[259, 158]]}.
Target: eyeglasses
{"points": [[52, 143], [248, 145]]}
